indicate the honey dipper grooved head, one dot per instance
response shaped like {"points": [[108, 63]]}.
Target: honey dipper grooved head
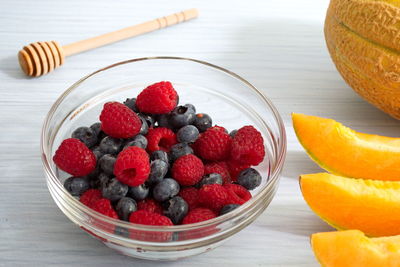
{"points": [[39, 58]]}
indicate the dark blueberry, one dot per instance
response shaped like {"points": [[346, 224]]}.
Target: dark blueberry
{"points": [[131, 103], [86, 135], [202, 122], [181, 116], [212, 178], [138, 192], [176, 209], [106, 163], [191, 107], [109, 145], [159, 154], [76, 185], [139, 141], [158, 170], [187, 134], [125, 207], [165, 189], [114, 190], [148, 118], [179, 150], [163, 121], [228, 208], [144, 129], [97, 152], [249, 178], [233, 133], [96, 127], [99, 181]]}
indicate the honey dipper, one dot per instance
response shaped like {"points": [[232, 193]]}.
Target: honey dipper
{"points": [[39, 58]]}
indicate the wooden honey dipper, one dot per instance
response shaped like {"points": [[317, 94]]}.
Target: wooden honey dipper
{"points": [[39, 58]]}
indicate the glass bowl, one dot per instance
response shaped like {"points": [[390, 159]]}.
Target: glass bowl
{"points": [[230, 100]]}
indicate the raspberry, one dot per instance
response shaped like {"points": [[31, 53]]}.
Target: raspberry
{"points": [[235, 168], [219, 128], [103, 206], [132, 166], [198, 215], [90, 196], [149, 218], [149, 205], [248, 146], [218, 167], [191, 196], [213, 196], [160, 139], [188, 170], [74, 157], [237, 194], [158, 98], [119, 121], [214, 144]]}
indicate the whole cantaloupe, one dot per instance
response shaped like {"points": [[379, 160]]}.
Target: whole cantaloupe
{"points": [[363, 39]]}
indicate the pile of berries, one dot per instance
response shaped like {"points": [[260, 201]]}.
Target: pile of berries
{"points": [[150, 161]]}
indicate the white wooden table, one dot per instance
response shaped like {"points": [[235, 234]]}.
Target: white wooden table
{"points": [[277, 45]]}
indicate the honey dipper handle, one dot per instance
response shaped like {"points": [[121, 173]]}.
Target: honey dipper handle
{"points": [[129, 32]]}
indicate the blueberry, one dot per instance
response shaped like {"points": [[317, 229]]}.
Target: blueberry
{"points": [[159, 154], [179, 150], [106, 163], [131, 103], [228, 208], [99, 181], [212, 178], [176, 209], [125, 207], [191, 107], [139, 141], [114, 190], [148, 118], [202, 122], [187, 134], [76, 185], [181, 116], [163, 121], [138, 192], [165, 189], [97, 152], [249, 178], [158, 170], [109, 145], [86, 135], [233, 133]]}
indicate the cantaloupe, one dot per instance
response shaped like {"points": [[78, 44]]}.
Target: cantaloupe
{"points": [[347, 203], [363, 39], [340, 150], [353, 249]]}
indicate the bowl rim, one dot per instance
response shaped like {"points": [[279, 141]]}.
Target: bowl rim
{"points": [[281, 153]]}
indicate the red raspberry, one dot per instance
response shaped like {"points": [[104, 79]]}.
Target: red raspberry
{"points": [[188, 170], [103, 206], [132, 166], [218, 167], [119, 121], [149, 205], [219, 128], [198, 215], [237, 194], [235, 168], [213, 196], [248, 146], [191, 196], [74, 157], [149, 218], [160, 139], [214, 144], [90, 196], [158, 98]]}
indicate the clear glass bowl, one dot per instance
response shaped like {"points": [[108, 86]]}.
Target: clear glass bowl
{"points": [[229, 99]]}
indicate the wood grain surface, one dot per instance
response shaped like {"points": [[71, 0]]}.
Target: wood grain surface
{"points": [[277, 45]]}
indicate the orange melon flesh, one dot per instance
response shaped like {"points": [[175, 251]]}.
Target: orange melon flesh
{"points": [[347, 203], [343, 151], [353, 248]]}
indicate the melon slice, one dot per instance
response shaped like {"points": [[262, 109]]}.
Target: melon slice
{"points": [[343, 151], [347, 203], [353, 248]]}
